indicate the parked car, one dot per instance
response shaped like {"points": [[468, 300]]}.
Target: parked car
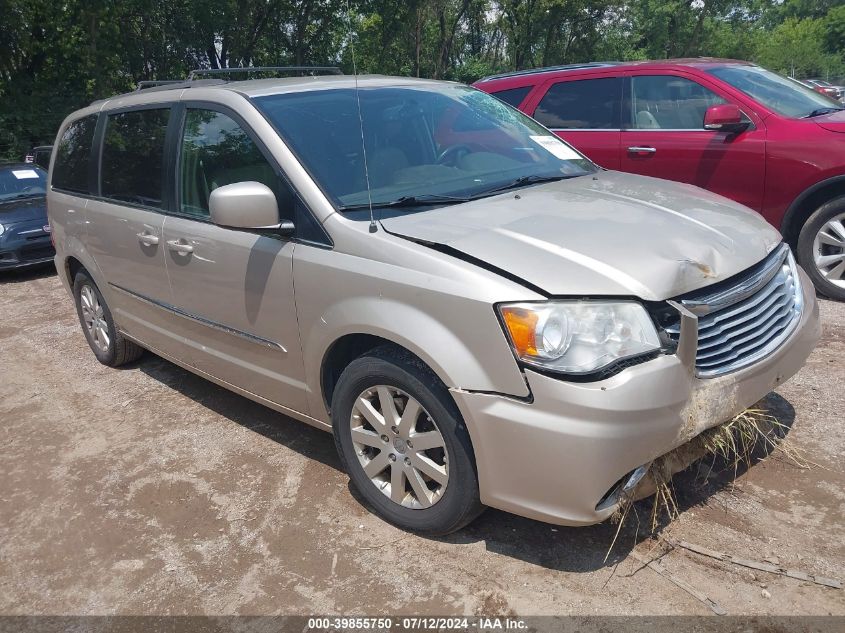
{"points": [[807, 84], [40, 156], [478, 313], [24, 231], [826, 88], [731, 127]]}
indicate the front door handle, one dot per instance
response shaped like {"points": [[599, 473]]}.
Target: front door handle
{"points": [[148, 239], [180, 246], [641, 150]]}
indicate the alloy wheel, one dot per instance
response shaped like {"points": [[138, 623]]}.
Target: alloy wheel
{"points": [[399, 447], [94, 319], [829, 250]]}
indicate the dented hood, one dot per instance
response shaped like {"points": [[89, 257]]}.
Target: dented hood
{"points": [[608, 234]]}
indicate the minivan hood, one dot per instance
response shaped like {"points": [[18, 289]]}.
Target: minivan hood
{"points": [[608, 234]]}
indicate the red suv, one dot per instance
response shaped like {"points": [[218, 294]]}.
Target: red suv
{"points": [[728, 126]]}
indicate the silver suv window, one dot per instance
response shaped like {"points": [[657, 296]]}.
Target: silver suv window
{"points": [[132, 166], [216, 151], [73, 156], [443, 140]]}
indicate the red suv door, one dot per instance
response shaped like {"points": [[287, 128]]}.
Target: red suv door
{"points": [[663, 136], [585, 112]]}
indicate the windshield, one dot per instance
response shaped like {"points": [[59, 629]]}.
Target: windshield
{"points": [[21, 182], [444, 143], [779, 94]]}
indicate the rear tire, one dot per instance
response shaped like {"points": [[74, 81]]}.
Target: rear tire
{"points": [[821, 248], [108, 344], [430, 488]]}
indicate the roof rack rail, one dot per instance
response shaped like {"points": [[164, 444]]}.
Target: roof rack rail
{"points": [[534, 71], [332, 70], [153, 83]]}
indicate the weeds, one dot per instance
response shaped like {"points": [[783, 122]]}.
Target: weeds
{"points": [[734, 443]]}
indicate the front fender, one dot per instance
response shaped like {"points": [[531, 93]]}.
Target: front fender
{"points": [[453, 328]]}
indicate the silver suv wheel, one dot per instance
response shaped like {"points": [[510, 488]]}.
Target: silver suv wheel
{"points": [[94, 318], [399, 447], [829, 250]]}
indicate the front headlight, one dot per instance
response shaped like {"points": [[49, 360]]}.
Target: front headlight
{"points": [[2, 229], [578, 337]]}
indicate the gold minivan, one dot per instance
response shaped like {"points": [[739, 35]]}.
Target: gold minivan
{"points": [[481, 315]]}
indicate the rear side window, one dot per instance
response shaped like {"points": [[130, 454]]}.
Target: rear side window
{"points": [[73, 156], [583, 104], [133, 157], [513, 96]]}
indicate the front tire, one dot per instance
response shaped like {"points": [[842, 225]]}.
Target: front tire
{"points": [[404, 444], [821, 248], [108, 344]]}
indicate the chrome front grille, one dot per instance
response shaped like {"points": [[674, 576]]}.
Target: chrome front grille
{"points": [[748, 319]]}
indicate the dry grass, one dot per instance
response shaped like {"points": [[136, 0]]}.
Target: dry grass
{"points": [[732, 444]]}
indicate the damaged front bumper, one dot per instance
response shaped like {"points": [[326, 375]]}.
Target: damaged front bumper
{"points": [[561, 456]]}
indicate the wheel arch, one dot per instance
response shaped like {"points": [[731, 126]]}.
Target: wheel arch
{"points": [[351, 346], [72, 267], [348, 347], [806, 203]]}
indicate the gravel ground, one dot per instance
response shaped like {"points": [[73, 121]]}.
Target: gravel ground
{"points": [[148, 490]]}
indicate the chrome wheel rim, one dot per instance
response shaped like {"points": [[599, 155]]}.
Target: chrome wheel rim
{"points": [[94, 319], [399, 447], [829, 250]]}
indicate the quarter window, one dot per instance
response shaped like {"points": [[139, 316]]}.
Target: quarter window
{"points": [[670, 103], [216, 151], [133, 157], [73, 156], [513, 96], [582, 104]]}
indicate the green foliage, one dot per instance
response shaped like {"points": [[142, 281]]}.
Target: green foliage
{"points": [[798, 48], [58, 56]]}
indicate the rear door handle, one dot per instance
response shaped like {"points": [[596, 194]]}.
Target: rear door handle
{"points": [[638, 149], [148, 239], [180, 246]]}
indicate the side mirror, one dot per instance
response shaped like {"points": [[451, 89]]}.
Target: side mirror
{"points": [[725, 117], [244, 205]]}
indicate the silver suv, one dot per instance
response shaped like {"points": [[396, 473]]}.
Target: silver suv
{"points": [[479, 314]]}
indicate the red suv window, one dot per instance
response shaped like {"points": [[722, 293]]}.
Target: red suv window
{"points": [[583, 104], [513, 96], [669, 102]]}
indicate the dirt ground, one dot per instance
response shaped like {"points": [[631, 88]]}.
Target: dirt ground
{"points": [[147, 490]]}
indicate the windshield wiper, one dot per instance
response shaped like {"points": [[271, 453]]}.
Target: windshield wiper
{"points": [[822, 111], [407, 201], [533, 179]]}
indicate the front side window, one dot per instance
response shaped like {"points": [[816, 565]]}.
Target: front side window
{"points": [[132, 167], [432, 142], [216, 151], [25, 181], [73, 156], [669, 103], [592, 104], [785, 96]]}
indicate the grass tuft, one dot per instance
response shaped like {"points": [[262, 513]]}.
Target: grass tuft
{"points": [[733, 443]]}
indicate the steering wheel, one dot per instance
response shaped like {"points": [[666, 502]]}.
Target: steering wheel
{"points": [[450, 155]]}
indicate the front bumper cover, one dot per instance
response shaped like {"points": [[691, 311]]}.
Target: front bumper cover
{"points": [[555, 457]]}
